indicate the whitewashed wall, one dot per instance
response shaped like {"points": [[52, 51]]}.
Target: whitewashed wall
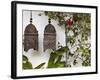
{"points": [[40, 23]]}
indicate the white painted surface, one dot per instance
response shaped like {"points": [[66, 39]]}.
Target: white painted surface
{"points": [[40, 22]]}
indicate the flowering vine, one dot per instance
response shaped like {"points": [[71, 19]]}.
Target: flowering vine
{"points": [[77, 31]]}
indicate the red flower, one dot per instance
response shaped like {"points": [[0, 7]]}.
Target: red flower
{"points": [[69, 22]]}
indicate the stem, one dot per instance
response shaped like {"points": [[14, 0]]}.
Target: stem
{"points": [[67, 53]]}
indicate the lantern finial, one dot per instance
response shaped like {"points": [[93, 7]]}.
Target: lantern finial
{"points": [[31, 16], [49, 20]]}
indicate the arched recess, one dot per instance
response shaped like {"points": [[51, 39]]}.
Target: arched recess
{"points": [[49, 41]]}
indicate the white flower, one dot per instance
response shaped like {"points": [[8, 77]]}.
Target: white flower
{"points": [[70, 33], [66, 18]]}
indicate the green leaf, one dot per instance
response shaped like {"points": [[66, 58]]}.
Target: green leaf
{"points": [[86, 52], [58, 59], [52, 59], [85, 63], [25, 58], [62, 50], [27, 65], [40, 66], [71, 40], [55, 58], [61, 64]]}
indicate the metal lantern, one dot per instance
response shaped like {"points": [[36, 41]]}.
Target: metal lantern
{"points": [[49, 37], [30, 36]]}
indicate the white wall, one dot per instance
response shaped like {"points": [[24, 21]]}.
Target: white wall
{"points": [[5, 40], [40, 22]]}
